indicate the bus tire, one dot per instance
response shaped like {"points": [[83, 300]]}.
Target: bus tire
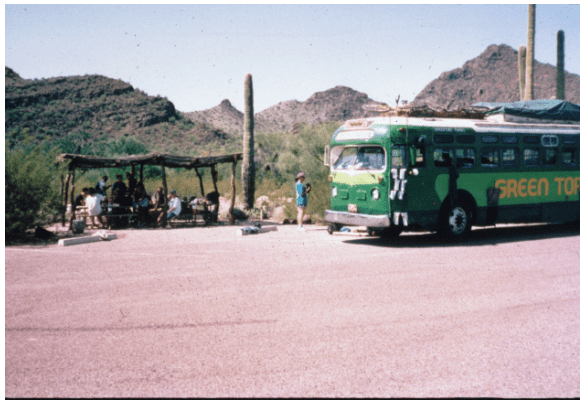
{"points": [[456, 221], [331, 228], [391, 232]]}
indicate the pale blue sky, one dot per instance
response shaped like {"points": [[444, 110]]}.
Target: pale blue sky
{"points": [[198, 55]]}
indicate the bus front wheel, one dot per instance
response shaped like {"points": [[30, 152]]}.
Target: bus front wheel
{"points": [[386, 233], [332, 228], [456, 222]]}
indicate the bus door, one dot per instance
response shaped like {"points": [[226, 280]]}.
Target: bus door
{"points": [[398, 186], [408, 184]]}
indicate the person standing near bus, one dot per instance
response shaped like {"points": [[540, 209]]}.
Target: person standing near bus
{"points": [[301, 197], [452, 177]]}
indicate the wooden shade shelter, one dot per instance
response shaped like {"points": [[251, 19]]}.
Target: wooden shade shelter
{"points": [[162, 160]]}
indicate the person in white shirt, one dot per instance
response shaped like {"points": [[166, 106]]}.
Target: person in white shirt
{"points": [[93, 203], [102, 186], [174, 205]]}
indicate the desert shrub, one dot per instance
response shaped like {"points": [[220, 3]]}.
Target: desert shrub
{"points": [[30, 194], [126, 146], [305, 152]]}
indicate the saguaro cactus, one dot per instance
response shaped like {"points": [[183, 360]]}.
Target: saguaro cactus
{"points": [[560, 77], [521, 65], [248, 167], [529, 73]]}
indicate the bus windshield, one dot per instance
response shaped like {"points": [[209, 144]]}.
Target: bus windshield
{"points": [[359, 158]]}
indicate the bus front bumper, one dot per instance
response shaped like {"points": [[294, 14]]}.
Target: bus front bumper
{"points": [[341, 217]]}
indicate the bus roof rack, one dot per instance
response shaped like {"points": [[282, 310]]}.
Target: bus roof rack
{"points": [[430, 111]]}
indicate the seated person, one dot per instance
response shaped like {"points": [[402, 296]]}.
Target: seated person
{"points": [[156, 210], [140, 203], [102, 186], [174, 205], [120, 203], [213, 203], [80, 199], [196, 201], [120, 186], [93, 203]]}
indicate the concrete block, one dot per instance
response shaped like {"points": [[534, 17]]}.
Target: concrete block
{"points": [[79, 240], [98, 236]]}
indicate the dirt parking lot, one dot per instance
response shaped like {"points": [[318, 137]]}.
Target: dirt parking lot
{"points": [[202, 312]]}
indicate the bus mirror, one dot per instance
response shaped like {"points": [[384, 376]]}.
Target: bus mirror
{"points": [[327, 156]]}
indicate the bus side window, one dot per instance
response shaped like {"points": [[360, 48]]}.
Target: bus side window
{"points": [[418, 156], [569, 156], [550, 156], [465, 157], [510, 157], [490, 158], [443, 157], [530, 157]]}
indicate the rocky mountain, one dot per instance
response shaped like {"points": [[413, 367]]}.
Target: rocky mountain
{"points": [[490, 77], [493, 77], [337, 104], [93, 114]]}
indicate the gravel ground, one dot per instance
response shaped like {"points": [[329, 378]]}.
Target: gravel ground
{"points": [[203, 312]]}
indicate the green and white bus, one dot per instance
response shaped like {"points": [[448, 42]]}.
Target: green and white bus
{"points": [[404, 173]]}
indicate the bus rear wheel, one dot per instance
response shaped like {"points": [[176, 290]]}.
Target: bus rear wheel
{"points": [[456, 222]]}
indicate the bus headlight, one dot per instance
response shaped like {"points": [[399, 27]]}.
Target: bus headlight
{"points": [[335, 191], [375, 194]]}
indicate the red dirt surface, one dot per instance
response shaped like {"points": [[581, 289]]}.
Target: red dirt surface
{"points": [[202, 312]]}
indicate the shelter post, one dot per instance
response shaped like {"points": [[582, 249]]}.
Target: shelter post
{"points": [[142, 173], [72, 195], [165, 190], [214, 175], [66, 196], [200, 182]]}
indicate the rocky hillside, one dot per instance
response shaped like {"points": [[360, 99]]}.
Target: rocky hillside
{"points": [[224, 117], [493, 77], [337, 104], [86, 113]]}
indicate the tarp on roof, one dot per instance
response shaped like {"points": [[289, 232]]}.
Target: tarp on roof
{"points": [[549, 109]]}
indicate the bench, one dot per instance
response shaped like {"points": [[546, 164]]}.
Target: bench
{"points": [[189, 214]]}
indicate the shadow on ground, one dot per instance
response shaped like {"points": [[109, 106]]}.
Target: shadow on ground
{"points": [[477, 237]]}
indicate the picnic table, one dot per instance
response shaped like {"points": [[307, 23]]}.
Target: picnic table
{"points": [[109, 213], [191, 213], [113, 217]]}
